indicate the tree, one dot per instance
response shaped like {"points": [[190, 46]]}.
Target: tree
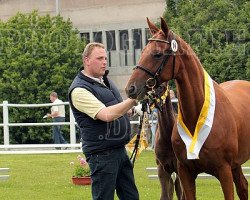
{"points": [[38, 54], [218, 31]]}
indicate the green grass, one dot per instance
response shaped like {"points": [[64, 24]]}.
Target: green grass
{"points": [[48, 177]]}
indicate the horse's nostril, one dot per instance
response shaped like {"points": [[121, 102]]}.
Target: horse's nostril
{"points": [[132, 89]]}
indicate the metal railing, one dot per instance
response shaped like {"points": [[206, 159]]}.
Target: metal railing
{"points": [[245, 169], [6, 124], [8, 148], [3, 173]]}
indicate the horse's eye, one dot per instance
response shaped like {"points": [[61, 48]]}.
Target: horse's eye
{"points": [[158, 55]]}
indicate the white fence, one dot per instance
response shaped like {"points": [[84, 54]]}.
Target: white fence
{"points": [[246, 171], [8, 148], [3, 173], [6, 124]]}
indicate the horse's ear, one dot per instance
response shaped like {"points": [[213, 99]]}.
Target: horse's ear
{"points": [[153, 29], [164, 26]]}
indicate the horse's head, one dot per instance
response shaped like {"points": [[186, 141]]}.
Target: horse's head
{"points": [[157, 63]]}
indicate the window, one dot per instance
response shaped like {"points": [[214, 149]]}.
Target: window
{"points": [[124, 42], [137, 38], [85, 36], [97, 36], [111, 45], [148, 35]]}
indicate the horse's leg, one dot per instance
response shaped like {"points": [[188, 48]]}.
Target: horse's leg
{"points": [[240, 183], [187, 181], [167, 185], [178, 188], [226, 180]]}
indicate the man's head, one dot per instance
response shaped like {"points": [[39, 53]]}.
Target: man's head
{"points": [[53, 96], [172, 95], [94, 59]]}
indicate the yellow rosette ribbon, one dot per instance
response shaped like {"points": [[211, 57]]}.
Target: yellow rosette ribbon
{"points": [[204, 124]]}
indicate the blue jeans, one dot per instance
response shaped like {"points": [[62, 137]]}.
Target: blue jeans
{"points": [[153, 130], [112, 171], [57, 135]]}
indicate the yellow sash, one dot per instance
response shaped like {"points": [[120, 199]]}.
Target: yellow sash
{"points": [[204, 124], [143, 144]]}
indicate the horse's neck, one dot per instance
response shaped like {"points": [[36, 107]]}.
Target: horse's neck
{"points": [[166, 119], [190, 88]]}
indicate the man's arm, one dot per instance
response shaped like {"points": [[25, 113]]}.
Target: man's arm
{"points": [[111, 113], [86, 102], [53, 114]]}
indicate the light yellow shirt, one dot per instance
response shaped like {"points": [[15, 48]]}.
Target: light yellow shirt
{"points": [[86, 102]]}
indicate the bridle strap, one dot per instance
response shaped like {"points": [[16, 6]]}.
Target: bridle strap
{"points": [[158, 71], [173, 67], [155, 75], [165, 59], [174, 53], [158, 40], [145, 70]]}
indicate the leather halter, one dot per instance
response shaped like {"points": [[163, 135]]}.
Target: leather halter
{"points": [[155, 75]]}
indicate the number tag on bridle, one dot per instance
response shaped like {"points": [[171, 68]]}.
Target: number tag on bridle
{"points": [[174, 46]]}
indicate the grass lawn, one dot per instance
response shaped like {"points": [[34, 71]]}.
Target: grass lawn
{"points": [[48, 177]]}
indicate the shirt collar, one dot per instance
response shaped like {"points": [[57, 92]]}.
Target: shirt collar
{"points": [[95, 79]]}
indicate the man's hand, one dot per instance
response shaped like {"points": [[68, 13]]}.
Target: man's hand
{"points": [[130, 112]]}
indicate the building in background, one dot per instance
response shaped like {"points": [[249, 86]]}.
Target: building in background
{"points": [[120, 25]]}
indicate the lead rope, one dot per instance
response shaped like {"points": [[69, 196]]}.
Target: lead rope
{"points": [[137, 141], [156, 99]]}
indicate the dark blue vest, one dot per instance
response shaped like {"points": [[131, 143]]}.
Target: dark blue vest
{"points": [[98, 135]]}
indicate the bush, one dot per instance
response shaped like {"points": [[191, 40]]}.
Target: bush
{"points": [[38, 54], [218, 31]]}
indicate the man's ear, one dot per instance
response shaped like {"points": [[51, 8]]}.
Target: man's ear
{"points": [[153, 29], [85, 60]]}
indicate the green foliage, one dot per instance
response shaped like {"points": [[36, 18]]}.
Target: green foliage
{"points": [[81, 172], [218, 31], [38, 54], [81, 167]]}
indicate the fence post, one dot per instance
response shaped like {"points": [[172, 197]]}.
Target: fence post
{"points": [[72, 127], [6, 135]]}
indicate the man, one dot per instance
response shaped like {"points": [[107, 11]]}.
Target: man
{"points": [[58, 115], [174, 100], [105, 128]]}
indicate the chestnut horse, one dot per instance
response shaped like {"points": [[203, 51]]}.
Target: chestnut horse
{"points": [[165, 157], [227, 147]]}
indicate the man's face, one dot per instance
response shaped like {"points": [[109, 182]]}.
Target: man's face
{"points": [[172, 95], [96, 62], [52, 99]]}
